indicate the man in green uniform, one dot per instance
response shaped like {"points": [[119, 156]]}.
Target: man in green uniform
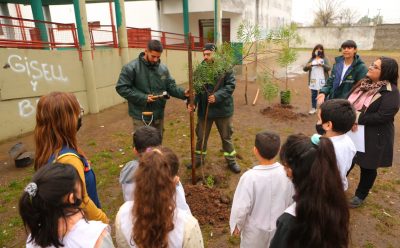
{"points": [[220, 111], [146, 84]]}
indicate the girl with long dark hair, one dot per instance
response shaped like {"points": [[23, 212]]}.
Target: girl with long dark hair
{"points": [[51, 213], [319, 218]]}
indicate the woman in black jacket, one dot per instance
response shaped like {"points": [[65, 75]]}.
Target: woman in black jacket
{"points": [[376, 100]]}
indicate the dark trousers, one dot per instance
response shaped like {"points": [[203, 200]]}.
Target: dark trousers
{"points": [[367, 179], [225, 129], [159, 124], [314, 94]]}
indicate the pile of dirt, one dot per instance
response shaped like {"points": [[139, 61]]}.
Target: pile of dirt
{"points": [[208, 205], [281, 112]]}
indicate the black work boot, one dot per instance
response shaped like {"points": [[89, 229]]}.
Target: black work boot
{"points": [[197, 162], [233, 166]]}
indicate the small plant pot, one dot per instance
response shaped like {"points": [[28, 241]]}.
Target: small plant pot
{"points": [[285, 97]]}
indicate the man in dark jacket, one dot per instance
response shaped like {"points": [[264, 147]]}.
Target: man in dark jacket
{"points": [[146, 84], [220, 111], [346, 72]]}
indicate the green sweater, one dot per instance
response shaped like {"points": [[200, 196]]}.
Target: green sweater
{"points": [[138, 79]]}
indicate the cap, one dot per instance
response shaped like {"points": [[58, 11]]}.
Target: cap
{"points": [[349, 43], [209, 46]]}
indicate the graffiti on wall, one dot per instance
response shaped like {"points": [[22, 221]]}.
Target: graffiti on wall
{"points": [[26, 108], [36, 71]]}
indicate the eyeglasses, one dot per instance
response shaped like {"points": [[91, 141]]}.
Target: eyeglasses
{"points": [[375, 67]]}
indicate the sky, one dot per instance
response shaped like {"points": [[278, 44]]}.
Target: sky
{"points": [[303, 10]]}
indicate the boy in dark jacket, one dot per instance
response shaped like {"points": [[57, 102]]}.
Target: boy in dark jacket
{"points": [[346, 72]]}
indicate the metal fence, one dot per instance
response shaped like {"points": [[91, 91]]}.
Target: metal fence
{"points": [[25, 33], [138, 38], [33, 34]]}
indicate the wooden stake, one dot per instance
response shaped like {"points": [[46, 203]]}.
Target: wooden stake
{"points": [[256, 97], [245, 87], [191, 102]]}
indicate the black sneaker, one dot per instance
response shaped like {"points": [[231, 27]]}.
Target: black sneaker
{"points": [[355, 202], [197, 162], [234, 167]]}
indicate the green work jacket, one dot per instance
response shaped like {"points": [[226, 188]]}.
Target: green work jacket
{"points": [[138, 79], [223, 106]]}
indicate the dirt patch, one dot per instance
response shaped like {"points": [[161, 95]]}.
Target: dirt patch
{"points": [[208, 205], [281, 112]]}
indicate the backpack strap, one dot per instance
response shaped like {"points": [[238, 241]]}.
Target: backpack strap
{"points": [[66, 151]]}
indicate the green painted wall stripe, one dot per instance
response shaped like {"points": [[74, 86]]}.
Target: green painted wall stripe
{"points": [[37, 12], [186, 18], [77, 11], [118, 15]]}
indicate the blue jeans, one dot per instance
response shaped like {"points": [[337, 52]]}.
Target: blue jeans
{"points": [[314, 94]]}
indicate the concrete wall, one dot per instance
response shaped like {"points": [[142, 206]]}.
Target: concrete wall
{"points": [[387, 36], [333, 37], [380, 37], [27, 74]]}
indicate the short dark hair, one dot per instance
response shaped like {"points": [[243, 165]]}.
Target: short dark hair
{"points": [[145, 137], [340, 112], [155, 45], [318, 46], [267, 144], [210, 47], [389, 70], [41, 211], [172, 159], [349, 43]]}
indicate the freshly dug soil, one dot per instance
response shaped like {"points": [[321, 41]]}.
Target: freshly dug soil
{"points": [[208, 205], [281, 112]]}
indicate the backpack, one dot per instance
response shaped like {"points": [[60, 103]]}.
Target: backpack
{"points": [[90, 177]]}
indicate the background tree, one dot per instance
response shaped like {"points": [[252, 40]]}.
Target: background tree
{"points": [[347, 17], [366, 20], [327, 12]]}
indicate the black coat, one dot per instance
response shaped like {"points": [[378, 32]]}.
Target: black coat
{"points": [[378, 119]]}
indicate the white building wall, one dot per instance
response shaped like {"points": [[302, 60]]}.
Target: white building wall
{"points": [[176, 6], [236, 20]]}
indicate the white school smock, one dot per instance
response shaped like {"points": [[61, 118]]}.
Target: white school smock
{"points": [[262, 195], [345, 150], [82, 235]]}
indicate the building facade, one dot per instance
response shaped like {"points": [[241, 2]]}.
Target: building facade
{"points": [[272, 14]]}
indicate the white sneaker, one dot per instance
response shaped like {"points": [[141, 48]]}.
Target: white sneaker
{"points": [[312, 111]]}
